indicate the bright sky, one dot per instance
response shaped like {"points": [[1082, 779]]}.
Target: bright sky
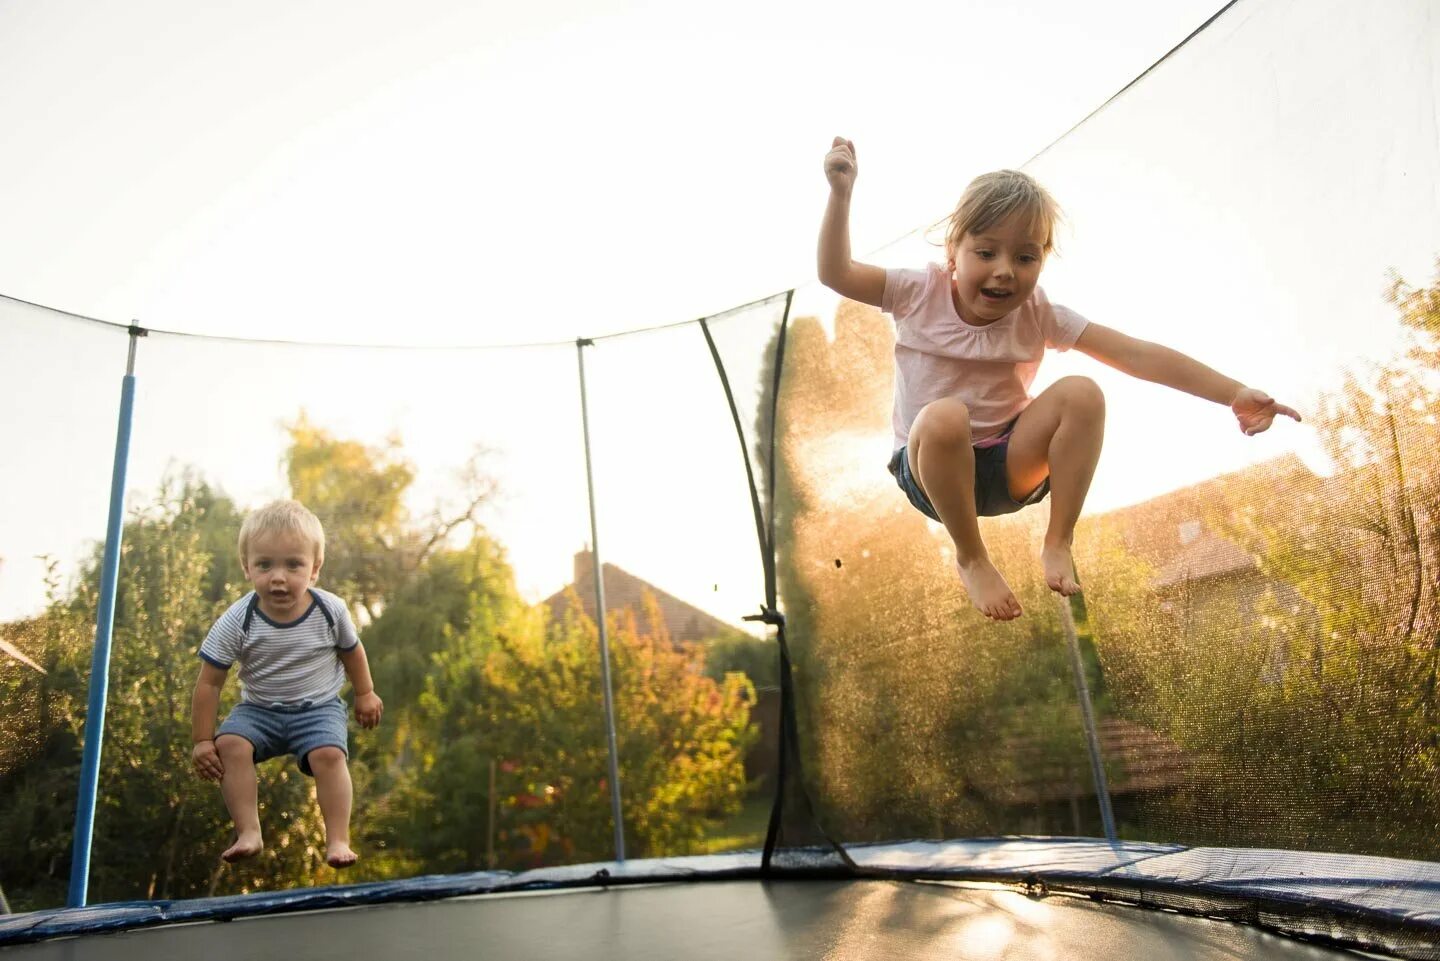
{"points": [[479, 172], [498, 173]]}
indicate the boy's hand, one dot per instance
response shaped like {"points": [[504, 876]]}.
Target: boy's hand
{"points": [[840, 166], [1255, 410], [207, 761], [368, 708]]}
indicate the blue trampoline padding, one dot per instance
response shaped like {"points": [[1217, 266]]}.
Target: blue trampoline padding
{"points": [[124, 915], [1380, 889], [1389, 889]]}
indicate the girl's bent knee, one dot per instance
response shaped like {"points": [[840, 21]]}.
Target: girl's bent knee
{"points": [[1084, 393], [946, 420]]}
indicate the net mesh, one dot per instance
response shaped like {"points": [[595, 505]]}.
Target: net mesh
{"points": [[1257, 634]]}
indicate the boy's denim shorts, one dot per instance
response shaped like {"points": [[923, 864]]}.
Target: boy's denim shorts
{"points": [[277, 731], [992, 489]]}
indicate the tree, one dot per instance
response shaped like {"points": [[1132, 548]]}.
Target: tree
{"points": [[39, 755], [373, 545], [1303, 692], [358, 493], [510, 691], [157, 827]]}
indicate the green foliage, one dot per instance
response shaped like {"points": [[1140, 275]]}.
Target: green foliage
{"points": [[39, 756], [758, 659], [1318, 667], [529, 700], [156, 827], [358, 494], [469, 672], [1296, 693]]}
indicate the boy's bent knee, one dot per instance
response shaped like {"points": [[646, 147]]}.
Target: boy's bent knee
{"points": [[946, 420], [325, 757], [233, 747]]}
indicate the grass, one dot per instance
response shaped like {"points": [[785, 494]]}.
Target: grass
{"points": [[745, 829]]}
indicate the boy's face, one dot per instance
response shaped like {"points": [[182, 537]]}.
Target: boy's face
{"points": [[281, 566], [996, 270]]}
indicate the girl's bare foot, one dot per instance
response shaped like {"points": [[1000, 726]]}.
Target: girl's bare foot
{"points": [[1059, 570], [339, 855], [247, 845], [988, 590]]}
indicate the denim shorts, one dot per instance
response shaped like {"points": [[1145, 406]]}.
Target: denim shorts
{"points": [[992, 489], [277, 731]]}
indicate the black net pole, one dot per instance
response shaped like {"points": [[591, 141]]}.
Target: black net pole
{"points": [[789, 756]]}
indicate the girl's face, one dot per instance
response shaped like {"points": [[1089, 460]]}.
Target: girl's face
{"points": [[995, 271]]}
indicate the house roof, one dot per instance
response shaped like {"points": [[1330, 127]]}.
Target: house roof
{"points": [[1173, 533], [1167, 531], [683, 621], [1137, 759], [1205, 557]]}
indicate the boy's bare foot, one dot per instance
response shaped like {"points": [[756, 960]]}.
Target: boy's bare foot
{"points": [[339, 855], [1059, 570], [245, 846], [988, 590]]}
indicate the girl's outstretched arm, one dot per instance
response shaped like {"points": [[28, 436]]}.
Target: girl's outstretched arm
{"points": [[862, 282], [1254, 409]]}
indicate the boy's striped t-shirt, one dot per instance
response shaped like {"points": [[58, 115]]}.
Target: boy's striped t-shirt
{"points": [[283, 665]]}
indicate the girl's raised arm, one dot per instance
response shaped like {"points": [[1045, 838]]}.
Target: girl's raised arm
{"points": [[848, 278]]}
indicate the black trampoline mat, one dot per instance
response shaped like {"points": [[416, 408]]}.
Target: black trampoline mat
{"points": [[707, 921]]}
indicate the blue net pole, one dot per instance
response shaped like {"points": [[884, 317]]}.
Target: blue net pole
{"points": [[104, 625]]}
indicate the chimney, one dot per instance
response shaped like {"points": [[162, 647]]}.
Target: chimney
{"points": [[1189, 532], [585, 579], [584, 568]]}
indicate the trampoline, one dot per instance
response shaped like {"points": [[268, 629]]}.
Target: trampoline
{"points": [[1040, 899], [804, 920], [1228, 747]]}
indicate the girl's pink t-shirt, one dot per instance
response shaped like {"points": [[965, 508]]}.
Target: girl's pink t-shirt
{"points": [[989, 368]]}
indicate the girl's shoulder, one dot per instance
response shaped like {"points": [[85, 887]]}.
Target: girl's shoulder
{"points": [[929, 275], [907, 289], [1038, 299], [1037, 307], [1060, 325]]}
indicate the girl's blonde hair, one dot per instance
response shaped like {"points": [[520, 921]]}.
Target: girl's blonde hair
{"points": [[288, 516], [995, 197]]}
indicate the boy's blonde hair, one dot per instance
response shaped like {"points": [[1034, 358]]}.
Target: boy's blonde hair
{"points": [[289, 516], [994, 197]]}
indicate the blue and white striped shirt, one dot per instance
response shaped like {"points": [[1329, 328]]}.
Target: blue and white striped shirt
{"points": [[283, 665]]}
